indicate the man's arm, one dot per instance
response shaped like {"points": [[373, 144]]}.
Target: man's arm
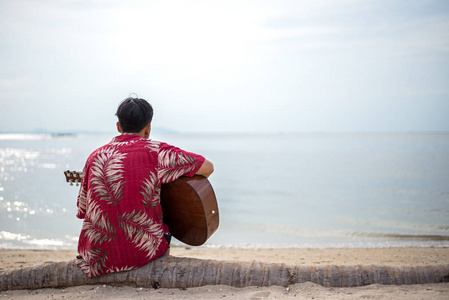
{"points": [[206, 169]]}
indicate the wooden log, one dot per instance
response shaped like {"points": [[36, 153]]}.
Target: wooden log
{"points": [[178, 272]]}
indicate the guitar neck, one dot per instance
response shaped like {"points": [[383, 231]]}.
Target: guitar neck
{"points": [[73, 177]]}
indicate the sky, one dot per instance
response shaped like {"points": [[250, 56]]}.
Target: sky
{"points": [[226, 66]]}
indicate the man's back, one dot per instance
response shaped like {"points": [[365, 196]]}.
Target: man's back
{"points": [[119, 201]]}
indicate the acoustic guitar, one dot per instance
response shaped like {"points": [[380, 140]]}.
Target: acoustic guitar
{"points": [[189, 207]]}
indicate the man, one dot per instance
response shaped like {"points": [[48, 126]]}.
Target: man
{"points": [[119, 198]]}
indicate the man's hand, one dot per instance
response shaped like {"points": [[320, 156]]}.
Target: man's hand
{"points": [[206, 169]]}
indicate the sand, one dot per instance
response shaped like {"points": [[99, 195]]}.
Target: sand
{"points": [[11, 259]]}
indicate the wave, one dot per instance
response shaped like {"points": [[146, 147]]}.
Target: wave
{"points": [[9, 240], [32, 136], [23, 136]]}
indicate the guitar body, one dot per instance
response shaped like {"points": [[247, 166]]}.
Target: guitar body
{"points": [[189, 206], [190, 209]]}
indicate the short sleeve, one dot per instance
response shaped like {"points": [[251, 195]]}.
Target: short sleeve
{"points": [[174, 163]]}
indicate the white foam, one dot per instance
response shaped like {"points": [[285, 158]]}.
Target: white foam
{"points": [[23, 136]]}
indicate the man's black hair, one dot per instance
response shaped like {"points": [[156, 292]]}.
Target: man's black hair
{"points": [[134, 114]]}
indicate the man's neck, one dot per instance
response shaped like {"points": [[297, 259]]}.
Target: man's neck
{"points": [[141, 134], [145, 132]]}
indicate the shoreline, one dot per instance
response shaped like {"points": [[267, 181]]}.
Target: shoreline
{"points": [[391, 256], [394, 256]]}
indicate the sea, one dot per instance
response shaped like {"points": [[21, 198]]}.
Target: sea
{"points": [[295, 190]]}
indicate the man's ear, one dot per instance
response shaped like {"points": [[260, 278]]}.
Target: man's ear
{"points": [[119, 129], [147, 130]]}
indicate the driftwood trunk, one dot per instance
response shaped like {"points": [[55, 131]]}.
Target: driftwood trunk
{"points": [[176, 272]]}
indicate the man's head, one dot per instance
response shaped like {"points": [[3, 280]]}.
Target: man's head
{"points": [[134, 114]]}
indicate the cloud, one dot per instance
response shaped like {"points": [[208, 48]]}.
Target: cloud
{"points": [[16, 83], [233, 65]]}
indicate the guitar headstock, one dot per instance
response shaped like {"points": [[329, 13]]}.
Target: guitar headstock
{"points": [[73, 177]]}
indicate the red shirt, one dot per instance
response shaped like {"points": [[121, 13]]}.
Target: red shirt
{"points": [[119, 200]]}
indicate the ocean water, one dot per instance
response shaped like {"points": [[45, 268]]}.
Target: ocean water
{"points": [[273, 190]]}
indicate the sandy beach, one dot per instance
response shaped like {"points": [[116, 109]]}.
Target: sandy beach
{"points": [[12, 258]]}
